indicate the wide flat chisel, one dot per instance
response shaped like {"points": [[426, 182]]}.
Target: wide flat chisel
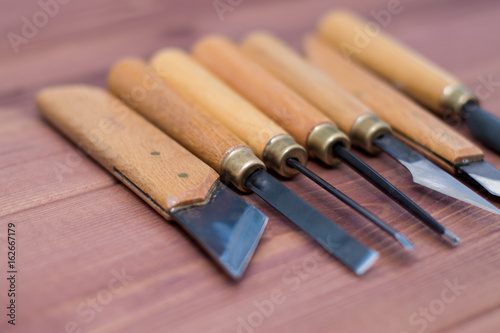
{"points": [[165, 175], [245, 120], [358, 120], [417, 127], [138, 85], [424, 81]]}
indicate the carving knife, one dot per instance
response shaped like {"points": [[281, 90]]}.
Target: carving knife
{"points": [[425, 82], [138, 85], [245, 120], [323, 92], [170, 179], [307, 124]]}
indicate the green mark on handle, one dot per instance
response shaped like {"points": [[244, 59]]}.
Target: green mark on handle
{"points": [[183, 175], [155, 153]]}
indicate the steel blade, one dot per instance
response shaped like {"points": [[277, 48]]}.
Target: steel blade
{"points": [[484, 125], [485, 174], [429, 175], [226, 226], [334, 239]]}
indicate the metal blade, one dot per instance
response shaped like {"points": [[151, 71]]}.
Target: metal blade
{"points": [[484, 125], [428, 174], [335, 240], [485, 174], [226, 226]]}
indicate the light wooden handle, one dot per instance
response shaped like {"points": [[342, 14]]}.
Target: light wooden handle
{"points": [[390, 59], [215, 99], [249, 79], [404, 115], [141, 88], [317, 87], [151, 164]]}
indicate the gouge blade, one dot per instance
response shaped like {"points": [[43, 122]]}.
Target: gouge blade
{"points": [[226, 226], [429, 175], [485, 174], [484, 126], [334, 239]]}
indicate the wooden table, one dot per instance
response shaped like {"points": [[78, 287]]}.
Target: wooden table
{"points": [[92, 257]]}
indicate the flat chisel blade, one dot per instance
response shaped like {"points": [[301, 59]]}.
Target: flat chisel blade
{"points": [[226, 226], [429, 175], [334, 239], [484, 125], [485, 174]]}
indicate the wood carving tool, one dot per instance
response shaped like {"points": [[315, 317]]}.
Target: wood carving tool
{"points": [[165, 175], [323, 92], [307, 124], [209, 93], [229, 156], [428, 84]]}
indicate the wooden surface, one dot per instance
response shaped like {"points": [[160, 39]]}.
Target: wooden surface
{"points": [[77, 227], [399, 111]]}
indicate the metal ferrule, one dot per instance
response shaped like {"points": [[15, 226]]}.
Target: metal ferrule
{"points": [[321, 141], [238, 165], [367, 128], [278, 150], [455, 96]]}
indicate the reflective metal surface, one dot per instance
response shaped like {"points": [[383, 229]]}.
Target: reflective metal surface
{"points": [[485, 174], [335, 240], [226, 226], [429, 175]]}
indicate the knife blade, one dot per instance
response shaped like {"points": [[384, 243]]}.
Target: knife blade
{"points": [[235, 162], [170, 179]]}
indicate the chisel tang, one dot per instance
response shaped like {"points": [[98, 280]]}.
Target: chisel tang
{"points": [[305, 123], [405, 116], [352, 117], [424, 81], [216, 100], [141, 88]]}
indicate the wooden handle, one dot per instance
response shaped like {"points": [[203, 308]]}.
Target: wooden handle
{"points": [[254, 83], [215, 99], [401, 113], [314, 85], [151, 164], [390, 59], [141, 88]]}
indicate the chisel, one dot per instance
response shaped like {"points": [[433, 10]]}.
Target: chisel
{"points": [[245, 120], [308, 125], [432, 86], [138, 85], [322, 91], [165, 175], [418, 128], [424, 81]]}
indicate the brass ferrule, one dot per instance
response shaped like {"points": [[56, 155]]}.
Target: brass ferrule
{"points": [[367, 128], [454, 97], [278, 150], [238, 165], [321, 141]]}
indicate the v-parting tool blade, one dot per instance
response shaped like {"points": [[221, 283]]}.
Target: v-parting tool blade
{"points": [[429, 175], [331, 237], [228, 227]]}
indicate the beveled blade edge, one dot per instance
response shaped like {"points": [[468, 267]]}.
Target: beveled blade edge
{"points": [[226, 226], [331, 237], [427, 174], [484, 174]]}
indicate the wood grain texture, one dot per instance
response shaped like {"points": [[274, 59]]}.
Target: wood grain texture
{"points": [[391, 106], [143, 90], [77, 227], [400, 65], [129, 147], [213, 97], [311, 83], [270, 95]]}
